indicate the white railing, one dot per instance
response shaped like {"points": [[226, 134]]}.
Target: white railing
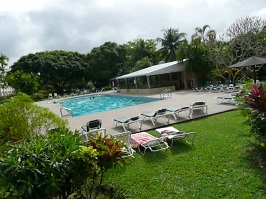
{"points": [[68, 110], [166, 93]]}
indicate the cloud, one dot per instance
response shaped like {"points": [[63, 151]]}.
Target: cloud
{"points": [[30, 26]]}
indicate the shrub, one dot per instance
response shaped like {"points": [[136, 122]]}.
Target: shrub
{"points": [[110, 154], [21, 118], [256, 112], [48, 166], [57, 164]]}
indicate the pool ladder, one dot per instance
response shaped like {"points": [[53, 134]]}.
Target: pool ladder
{"points": [[166, 93], [68, 110]]}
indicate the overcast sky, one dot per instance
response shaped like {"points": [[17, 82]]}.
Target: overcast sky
{"points": [[30, 26]]}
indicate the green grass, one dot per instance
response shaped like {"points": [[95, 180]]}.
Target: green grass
{"points": [[220, 165]]}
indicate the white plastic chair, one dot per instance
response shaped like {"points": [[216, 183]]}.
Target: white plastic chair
{"points": [[197, 105], [125, 138]]}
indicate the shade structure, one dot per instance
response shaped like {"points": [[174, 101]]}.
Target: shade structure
{"points": [[250, 62], [170, 67], [165, 68]]}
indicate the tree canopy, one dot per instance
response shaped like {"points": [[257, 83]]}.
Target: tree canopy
{"points": [[208, 57], [57, 70], [171, 41]]}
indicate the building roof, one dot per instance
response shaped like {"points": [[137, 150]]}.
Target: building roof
{"points": [[169, 67]]}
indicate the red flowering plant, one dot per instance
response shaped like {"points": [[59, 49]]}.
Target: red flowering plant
{"points": [[256, 112], [109, 154]]}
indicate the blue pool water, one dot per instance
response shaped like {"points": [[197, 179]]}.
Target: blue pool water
{"points": [[99, 103]]}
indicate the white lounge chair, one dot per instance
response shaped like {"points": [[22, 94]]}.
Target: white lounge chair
{"points": [[175, 111], [91, 128], [226, 99], [154, 115], [125, 138], [172, 134], [148, 141], [94, 132], [125, 122], [197, 105], [92, 124]]}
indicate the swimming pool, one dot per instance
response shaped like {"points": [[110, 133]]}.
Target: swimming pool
{"points": [[85, 105]]}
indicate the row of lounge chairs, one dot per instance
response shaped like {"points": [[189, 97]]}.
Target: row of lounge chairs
{"points": [[218, 88], [142, 140], [161, 113], [76, 93]]}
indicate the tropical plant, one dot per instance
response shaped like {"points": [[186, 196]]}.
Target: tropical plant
{"points": [[48, 166], [256, 112], [203, 36], [21, 118], [171, 41], [110, 154]]}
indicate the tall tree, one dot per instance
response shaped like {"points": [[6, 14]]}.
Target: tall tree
{"points": [[140, 49], [203, 35], [244, 38], [105, 60], [3, 63], [199, 61], [23, 82], [171, 41], [140, 53], [57, 70]]}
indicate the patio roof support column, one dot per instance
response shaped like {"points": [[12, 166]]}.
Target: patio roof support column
{"points": [[149, 86], [135, 82], [126, 84], [118, 87], [254, 74]]}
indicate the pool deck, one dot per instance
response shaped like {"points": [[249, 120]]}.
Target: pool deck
{"points": [[179, 99]]}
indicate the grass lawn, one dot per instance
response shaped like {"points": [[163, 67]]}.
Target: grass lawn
{"points": [[220, 165]]}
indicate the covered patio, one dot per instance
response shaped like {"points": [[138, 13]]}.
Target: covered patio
{"points": [[156, 78]]}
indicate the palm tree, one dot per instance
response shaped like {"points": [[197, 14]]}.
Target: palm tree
{"points": [[202, 35], [143, 48], [3, 63], [170, 43]]}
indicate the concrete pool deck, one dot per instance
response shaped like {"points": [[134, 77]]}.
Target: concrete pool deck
{"points": [[179, 99]]}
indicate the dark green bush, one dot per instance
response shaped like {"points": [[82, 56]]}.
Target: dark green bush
{"points": [[57, 164], [38, 96], [47, 166]]}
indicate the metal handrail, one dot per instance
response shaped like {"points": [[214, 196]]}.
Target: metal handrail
{"points": [[67, 109], [166, 91]]}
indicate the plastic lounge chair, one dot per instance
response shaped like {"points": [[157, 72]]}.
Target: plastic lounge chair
{"points": [[153, 116], [91, 125], [226, 99], [197, 105], [148, 141], [125, 121], [175, 111], [172, 134], [94, 132], [125, 138]]}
